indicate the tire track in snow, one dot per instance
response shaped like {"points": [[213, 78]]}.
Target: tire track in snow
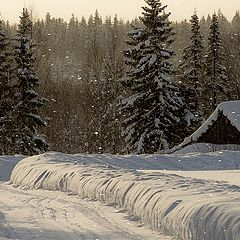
{"points": [[50, 215]]}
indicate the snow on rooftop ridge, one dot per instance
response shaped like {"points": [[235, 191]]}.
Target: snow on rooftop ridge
{"points": [[230, 109]]}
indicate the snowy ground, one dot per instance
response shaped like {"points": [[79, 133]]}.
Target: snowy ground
{"points": [[47, 215], [221, 160], [229, 176], [183, 204]]}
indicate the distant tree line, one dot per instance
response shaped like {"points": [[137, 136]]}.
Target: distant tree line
{"points": [[90, 69]]}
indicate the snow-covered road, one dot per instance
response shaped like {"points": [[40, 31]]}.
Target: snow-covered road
{"points": [[47, 215]]}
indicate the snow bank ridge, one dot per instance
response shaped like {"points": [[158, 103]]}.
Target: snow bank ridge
{"points": [[190, 209]]}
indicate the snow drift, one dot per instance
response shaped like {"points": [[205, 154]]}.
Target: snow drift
{"points": [[204, 148], [193, 161], [190, 209]]}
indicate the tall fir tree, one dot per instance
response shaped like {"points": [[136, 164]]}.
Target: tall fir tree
{"points": [[112, 69], [151, 104], [216, 84], [27, 117], [231, 44], [191, 72], [6, 92], [4, 86], [236, 22]]}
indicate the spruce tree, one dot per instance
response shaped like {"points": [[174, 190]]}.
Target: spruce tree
{"points": [[6, 92], [192, 68], [236, 22], [4, 75], [216, 79], [151, 105], [27, 118]]}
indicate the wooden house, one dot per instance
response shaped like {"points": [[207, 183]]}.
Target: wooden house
{"points": [[221, 128]]}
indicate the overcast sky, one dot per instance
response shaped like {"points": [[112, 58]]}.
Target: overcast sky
{"points": [[126, 9]]}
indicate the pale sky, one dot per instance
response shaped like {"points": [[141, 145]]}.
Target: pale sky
{"points": [[125, 9]]}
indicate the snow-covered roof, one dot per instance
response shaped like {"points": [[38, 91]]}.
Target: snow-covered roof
{"points": [[230, 109]]}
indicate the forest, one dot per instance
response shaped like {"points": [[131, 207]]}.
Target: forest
{"points": [[84, 67]]}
